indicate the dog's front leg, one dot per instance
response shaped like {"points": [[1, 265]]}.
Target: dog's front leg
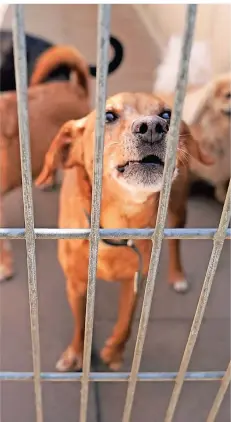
{"points": [[72, 358], [176, 276], [112, 353]]}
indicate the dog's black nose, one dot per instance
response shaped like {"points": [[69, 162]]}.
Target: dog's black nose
{"points": [[150, 128]]}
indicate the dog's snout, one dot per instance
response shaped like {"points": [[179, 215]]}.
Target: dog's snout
{"points": [[149, 128]]}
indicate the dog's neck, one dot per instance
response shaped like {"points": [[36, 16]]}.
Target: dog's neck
{"points": [[127, 211], [119, 208]]}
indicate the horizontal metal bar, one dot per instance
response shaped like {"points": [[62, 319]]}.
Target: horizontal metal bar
{"points": [[24, 140], [201, 306], [220, 395], [112, 376], [170, 160], [103, 33], [148, 233]]}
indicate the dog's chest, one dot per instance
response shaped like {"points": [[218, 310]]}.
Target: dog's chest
{"points": [[118, 263]]}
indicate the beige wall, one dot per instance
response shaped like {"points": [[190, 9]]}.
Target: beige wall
{"points": [[77, 25], [213, 24], [143, 29]]}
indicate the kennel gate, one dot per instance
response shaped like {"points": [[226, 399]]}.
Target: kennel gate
{"points": [[95, 234]]}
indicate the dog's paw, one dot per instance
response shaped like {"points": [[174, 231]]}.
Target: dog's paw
{"points": [[220, 194], [70, 361], [112, 356], [6, 273], [181, 286], [6, 261], [52, 183], [49, 187]]}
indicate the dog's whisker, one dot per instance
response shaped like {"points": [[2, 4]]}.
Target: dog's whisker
{"points": [[184, 152], [182, 162], [184, 156]]}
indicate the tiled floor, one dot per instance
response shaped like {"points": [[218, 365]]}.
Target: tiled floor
{"points": [[170, 321]]}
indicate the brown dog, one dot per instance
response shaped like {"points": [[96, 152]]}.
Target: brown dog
{"points": [[134, 154], [50, 106], [207, 111]]}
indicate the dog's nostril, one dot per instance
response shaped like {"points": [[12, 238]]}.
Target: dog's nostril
{"points": [[159, 128], [143, 128]]}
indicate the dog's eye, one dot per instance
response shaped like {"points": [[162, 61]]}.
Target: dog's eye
{"points": [[111, 117], [228, 95], [166, 115]]}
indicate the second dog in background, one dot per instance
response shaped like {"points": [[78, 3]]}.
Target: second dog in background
{"points": [[50, 106], [207, 111]]}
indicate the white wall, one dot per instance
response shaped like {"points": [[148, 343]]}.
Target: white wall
{"points": [[213, 24]]}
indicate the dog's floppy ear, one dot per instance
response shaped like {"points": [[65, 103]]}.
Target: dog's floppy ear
{"points": [[193, 147], [195, 103], [65, 150]]}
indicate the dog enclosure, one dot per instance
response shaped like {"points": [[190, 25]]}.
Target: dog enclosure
{"points": [[94, 234]]}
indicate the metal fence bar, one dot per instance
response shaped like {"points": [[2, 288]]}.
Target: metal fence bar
{"points": [[202, 234], [220, 395], [112, 377], [22, 104], [103, 33], [162, 209], [210, 273]]}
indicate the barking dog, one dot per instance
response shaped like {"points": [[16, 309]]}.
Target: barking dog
{"points": [[134, 156]]}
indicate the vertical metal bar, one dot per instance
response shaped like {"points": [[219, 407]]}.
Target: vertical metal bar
{"points": [[104, 11], [22, 103], [210, 273], [220, 395], [162, 209]]}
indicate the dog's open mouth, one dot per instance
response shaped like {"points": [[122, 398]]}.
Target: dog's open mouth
{"points": [[148, 161]]}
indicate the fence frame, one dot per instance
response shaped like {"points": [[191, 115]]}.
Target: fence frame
{"points": [[94, 234]]}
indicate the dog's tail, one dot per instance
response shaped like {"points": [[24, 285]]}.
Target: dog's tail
{"points": [[57, 56], [200, 67]]}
